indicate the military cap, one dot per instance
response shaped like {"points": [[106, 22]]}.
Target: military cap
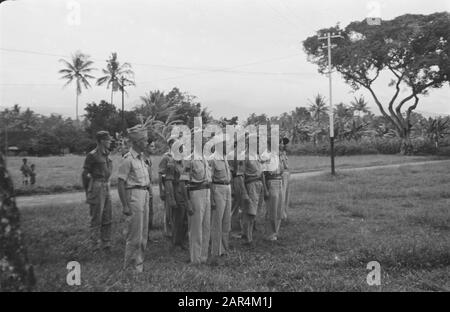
{"points": [[137, 133], [102, 135]]}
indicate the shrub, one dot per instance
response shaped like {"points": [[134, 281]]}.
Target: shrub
{"points": [[423, 146]]}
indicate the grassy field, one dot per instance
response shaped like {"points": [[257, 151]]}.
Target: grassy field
{"points": [[63, 173], [398, 217]]}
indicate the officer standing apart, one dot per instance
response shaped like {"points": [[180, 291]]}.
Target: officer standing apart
{"points": [[220, 202], [199, 208], [285, 176], [96, 175], [133, 185]]}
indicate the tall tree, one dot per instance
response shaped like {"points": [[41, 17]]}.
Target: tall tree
{"points": [[113, 74], [414, 49], [78, 69]]}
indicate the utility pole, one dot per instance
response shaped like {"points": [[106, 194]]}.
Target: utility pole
{"points": [[123, 118], [6, 139], [328, 37]]}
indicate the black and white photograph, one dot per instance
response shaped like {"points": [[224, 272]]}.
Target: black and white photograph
{"points": [[238, 148]]}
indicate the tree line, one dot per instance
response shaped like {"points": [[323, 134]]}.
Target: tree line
{"points": [[36, 134]]}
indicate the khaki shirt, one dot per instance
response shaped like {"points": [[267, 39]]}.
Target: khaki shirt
{"points": [[199, 171], [253, 169], [220, 171], [98, 165], [272, 163], [133, 169], [237, 167], [149, 163], [167, 166]]}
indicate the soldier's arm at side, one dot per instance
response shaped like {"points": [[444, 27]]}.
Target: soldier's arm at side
{"points": [[124, 170], [123, 197], [86, 174]]}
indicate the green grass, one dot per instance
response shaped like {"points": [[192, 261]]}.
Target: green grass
{"points": [[398, 217], [63, 173]]}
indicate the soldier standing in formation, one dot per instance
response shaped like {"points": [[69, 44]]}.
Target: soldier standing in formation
{"points": [[255, 185], [96, 175], [220, 203], [149, 151], [166, 175], [285, 176], [133, 188], [238, 189], [199, 210], [179, 212], [274, 179]]}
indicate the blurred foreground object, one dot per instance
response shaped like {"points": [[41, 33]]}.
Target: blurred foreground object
{"points": [[16, 274]]}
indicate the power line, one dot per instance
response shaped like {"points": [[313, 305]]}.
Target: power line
{"points": [[202, 70], [156, 65]]}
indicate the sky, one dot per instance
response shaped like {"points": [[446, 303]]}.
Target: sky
{"points": [[236, 56]]}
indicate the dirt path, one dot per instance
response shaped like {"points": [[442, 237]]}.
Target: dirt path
{"points": [[79, 197]]}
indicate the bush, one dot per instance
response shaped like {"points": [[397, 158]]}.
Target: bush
{"points": [[423, 146], [443, 151], [343, 148]]}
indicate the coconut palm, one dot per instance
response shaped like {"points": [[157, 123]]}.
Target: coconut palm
{"points": [[359, 105], [116, 75], [78, 69], [318, 109]]}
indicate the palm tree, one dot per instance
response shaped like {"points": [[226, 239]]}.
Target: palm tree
{"points": [[359, 105], [78, 69], [318, 110], [116, 74]]}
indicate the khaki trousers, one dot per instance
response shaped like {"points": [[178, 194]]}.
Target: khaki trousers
{"points": [[220, 219], [237, 202], [274, 207], [284, 214], [256, 197], [199, 225], [137, 224], [179, 214], [99, 199]]}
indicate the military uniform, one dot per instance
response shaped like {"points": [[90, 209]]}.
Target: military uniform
{"points": [[134, 172], [285, 179], [238, 190], [255, 190], [96, 181], [180, 184], [273, 177], [199, 221], [166, 173], [221, 206], [148, 161]]}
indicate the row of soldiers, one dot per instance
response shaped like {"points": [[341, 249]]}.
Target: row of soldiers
{"points": [[201, 196]]}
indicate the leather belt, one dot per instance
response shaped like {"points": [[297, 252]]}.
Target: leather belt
{"points": [[221, 183], [138, 187], [250, 180], [198, 186], [101, 180]]}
